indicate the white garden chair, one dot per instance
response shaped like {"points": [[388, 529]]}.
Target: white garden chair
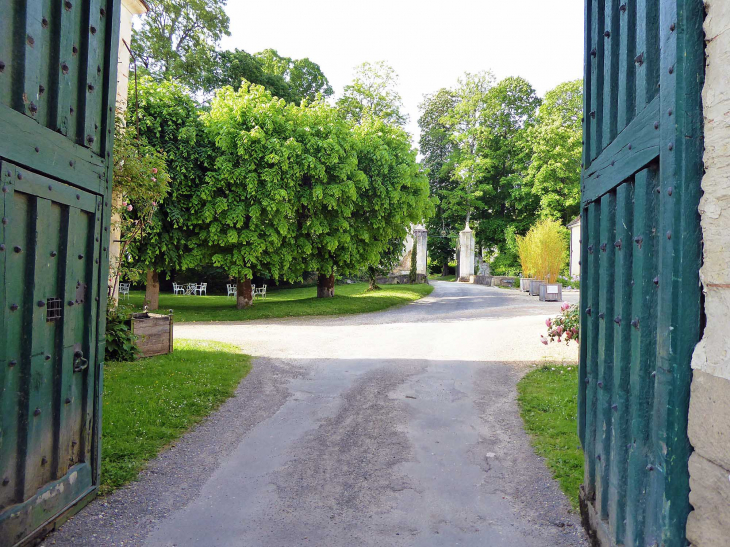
{"points": [[232, 290], [124, 289], [201, 288], [190, 288], [178, 289], [260, 292]]}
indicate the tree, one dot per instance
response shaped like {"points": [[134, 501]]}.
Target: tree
{"points": [[290, 79], [413, 273], [304, 77], [169, 120], [394, 195], [248, 210], [553, 177], [373, 92], [177, 38]]}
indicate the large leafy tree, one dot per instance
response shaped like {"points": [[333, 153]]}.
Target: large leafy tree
{"points": [[394, 195], [177, 38], [304, 77], [373, 92], [247, 211], [553, 177], [290, 79], [169, 121]]}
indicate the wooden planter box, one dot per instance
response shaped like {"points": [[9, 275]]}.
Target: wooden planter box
{"points": [[154, 333], [551, 292], [535, 287], [525, 283]]}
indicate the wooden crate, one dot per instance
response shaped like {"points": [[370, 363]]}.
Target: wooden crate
{"points": [[154, 332]]}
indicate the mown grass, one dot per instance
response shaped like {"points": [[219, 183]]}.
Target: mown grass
{"points": [[349, 299], [548, 399], [444, 278], [151, 402]]}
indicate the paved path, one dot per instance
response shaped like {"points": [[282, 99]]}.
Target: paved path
{"points": [[398, 428]]}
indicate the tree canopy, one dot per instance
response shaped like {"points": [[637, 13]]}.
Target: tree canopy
{"points": [[373, 92], [177, 38]]}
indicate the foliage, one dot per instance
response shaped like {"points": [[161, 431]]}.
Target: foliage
{"points": [[169, 120], [246, 209], [121, 344], [556, 145], [150, 403], [413, 273], [566, 325], [141, 182], [304, 77], [573, 282], [290, 79], [373, 93], [392, 195], [544, 249], [548, 399], [389, 257], [176, 38], [299, 302]]}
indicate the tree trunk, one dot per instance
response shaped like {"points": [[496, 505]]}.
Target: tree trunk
{"points": [[445, 269], [152, 290], [244, 293], [325, 286]]}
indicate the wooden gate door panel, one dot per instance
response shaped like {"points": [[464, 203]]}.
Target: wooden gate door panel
{"points": [[640, 257], [58, 73], [52, 241]]}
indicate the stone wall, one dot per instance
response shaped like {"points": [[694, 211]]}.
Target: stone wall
{"points": [[709, 414]]}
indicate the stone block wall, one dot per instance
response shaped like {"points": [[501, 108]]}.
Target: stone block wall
{"points": [[709, 414]]}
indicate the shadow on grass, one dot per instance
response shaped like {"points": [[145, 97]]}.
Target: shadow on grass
{"points": [[151, 402], [349, 299]]}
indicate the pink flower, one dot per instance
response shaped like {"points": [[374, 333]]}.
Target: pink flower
{"points": [[559, 340], [560, 331], [548, 323], [129, 207], [565, 306], [543, 340], [568, 335], [154, 170], [154, 204], [124, 204], [575, 330], [154, 179]]}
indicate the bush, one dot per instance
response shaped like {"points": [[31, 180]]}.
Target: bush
{"points": [[566, 325], [121, 344], [543, 251], [573, 282], [413, 274]]}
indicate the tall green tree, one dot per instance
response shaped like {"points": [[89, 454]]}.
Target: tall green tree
{"points": [[169, 121], [373, 92], [247, 212], [177, 38], [555, 141], [304, 77], [394, 195]]}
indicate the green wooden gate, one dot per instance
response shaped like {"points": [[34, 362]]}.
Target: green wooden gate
{"points": [[58, 73], [640, 258]]}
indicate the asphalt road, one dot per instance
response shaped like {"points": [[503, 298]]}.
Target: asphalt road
{"points": [[397, 428]]}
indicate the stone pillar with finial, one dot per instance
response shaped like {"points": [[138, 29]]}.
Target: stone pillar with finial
{"points": [[466, 257]]}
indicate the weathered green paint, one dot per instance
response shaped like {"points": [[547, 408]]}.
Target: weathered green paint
{"points": [[58, 63], [640, 255]]}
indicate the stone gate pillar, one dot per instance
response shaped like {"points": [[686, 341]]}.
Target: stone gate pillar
{"points": [[466, 257], [420, 240]]}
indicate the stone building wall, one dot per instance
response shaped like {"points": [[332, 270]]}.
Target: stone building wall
{"points": [[709, 415]]}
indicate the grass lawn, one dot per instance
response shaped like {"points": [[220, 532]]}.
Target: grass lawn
{"points": [[151, 402], [348, 299], [444, 278], [548, 399]]}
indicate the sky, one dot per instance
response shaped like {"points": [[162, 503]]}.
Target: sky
{"points": [[429, 43]]}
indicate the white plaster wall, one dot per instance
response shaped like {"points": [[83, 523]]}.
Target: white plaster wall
{"points": [[709, 415], [575, 249]]}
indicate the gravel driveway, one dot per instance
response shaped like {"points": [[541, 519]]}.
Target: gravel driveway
{"points": [[397, 428]]}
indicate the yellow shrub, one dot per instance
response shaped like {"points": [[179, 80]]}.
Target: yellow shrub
{"points": [[543, 251]]}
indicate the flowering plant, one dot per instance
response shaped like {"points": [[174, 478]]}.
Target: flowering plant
{"points": [[566, 325]]}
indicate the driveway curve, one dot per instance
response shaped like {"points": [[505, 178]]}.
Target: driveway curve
{"points": [[397, 428]]}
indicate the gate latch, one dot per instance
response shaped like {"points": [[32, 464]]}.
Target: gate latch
{"points": [[79, 362]]}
